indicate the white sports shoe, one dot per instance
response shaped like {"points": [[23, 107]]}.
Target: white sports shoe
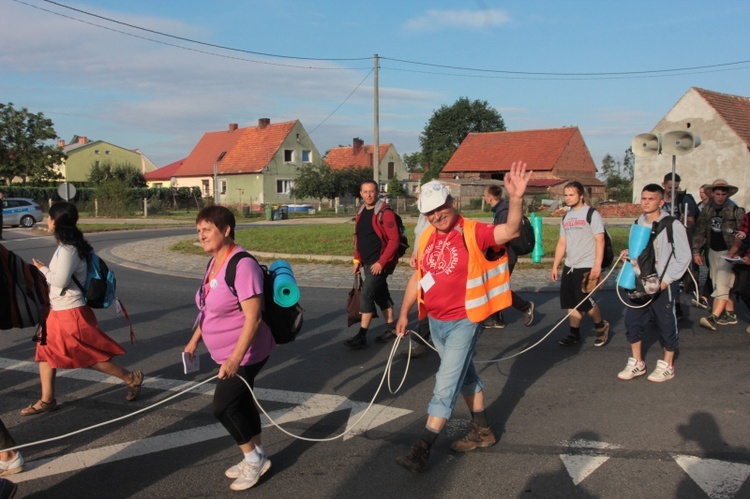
{"points": [[250, 473], [13, 466], [234, 471], [663, 372], [632, 369]]}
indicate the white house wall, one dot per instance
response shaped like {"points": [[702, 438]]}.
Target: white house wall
{"points": [[722, 154]]}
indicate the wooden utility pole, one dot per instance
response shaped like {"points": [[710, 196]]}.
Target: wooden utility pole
{"points": [[376, 133]]}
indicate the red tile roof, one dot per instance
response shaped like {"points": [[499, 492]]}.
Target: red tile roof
{"points": [[339, 158], [244, 150], [542, 150], [165, 172], [733, 109]]}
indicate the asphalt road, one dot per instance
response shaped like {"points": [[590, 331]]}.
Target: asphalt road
{"points": [[566, 426]]}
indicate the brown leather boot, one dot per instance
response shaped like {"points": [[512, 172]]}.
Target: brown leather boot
{"points": [[417, 459], [477, 437]]}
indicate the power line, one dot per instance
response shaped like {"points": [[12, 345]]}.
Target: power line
{"points": [[532, 73], [190, 40], [501, 73], [342, 102], [560, 78]]}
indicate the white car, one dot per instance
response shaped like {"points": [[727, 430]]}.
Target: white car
{"points": [[21, 211]]}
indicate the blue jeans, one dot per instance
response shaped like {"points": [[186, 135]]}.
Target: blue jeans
{"points": [[454, 342]]}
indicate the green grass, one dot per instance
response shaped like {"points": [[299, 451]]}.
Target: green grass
{"points": [[337, 239]]}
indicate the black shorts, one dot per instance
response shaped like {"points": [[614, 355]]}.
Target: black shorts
{"points": [[571, 293]]}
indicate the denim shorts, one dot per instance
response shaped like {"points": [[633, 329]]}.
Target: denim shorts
{"points": [[454, 342]]}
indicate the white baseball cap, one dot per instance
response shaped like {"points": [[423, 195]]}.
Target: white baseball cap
{"points": [[433, 195]]}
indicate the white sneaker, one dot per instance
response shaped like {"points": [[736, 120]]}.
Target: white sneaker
{"points": [[13, 466], [250, 473], [632, 369], [663, 372], [234, 471]]}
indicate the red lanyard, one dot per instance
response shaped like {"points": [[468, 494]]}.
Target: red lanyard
{"points": [[207, 279]]}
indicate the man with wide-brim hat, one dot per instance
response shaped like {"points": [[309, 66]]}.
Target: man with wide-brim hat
{"points": [[720, 183], [716, 229]]}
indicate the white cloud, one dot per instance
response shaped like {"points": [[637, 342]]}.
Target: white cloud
{"points": [[160, 98], [462, 19]]}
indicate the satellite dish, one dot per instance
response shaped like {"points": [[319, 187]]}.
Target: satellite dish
{"points": [[679, 142], [67, 191], [646, 144]]}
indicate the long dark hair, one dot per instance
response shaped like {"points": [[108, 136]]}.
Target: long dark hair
{"points": [[65, 216]]}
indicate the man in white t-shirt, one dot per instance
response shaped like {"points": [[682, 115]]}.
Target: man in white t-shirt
{"points": [[582, 243]]}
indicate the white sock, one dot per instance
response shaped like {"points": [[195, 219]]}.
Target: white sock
{"points": [[254, 456]]}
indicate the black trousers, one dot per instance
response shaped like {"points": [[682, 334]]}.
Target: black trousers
{"points": [[234, 406]]}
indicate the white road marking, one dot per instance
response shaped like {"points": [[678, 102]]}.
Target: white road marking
{"points": [[581, 464], [718, 479], [304, 406]]}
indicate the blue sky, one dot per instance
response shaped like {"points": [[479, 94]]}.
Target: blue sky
{"points": [[160, 94]]}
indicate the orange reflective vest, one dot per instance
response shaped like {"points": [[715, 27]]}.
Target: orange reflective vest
{"points": [[487, 284]]}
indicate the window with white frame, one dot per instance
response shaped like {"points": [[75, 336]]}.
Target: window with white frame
{"points": [[223, 186], [288, 156], [284, 186], [204, 184], [306, 157]]}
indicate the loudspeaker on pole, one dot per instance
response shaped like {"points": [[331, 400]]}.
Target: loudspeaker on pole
{"points": [[679, 142], [646, 144]]}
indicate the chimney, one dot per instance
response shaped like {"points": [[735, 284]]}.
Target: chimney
{"points": [[357, 145], [232, 127], [83, 140], [263, 123], [61, 143]]}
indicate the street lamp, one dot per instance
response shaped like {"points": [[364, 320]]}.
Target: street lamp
{"points": [[676, 143]]}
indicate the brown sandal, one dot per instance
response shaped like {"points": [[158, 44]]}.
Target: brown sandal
{"points": [[33, 410], [134, 387]]}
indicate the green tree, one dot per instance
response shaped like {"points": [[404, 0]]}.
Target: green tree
{"points": [[618, 176], [394, 187], [126, 173], [413, 162], [316, 180], [23, 152], [450, 125]]}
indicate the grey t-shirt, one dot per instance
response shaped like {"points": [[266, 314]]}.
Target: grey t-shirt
{"points": [[580, 247]]}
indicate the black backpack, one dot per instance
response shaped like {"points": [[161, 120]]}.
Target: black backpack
{"points": [[647, 280], [403, 241], [24, 294], [609, 253], [285, 322], [524, 243]]}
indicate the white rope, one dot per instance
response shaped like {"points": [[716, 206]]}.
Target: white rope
{"points": [[98, 425], [601, 283], [386, 373]]}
